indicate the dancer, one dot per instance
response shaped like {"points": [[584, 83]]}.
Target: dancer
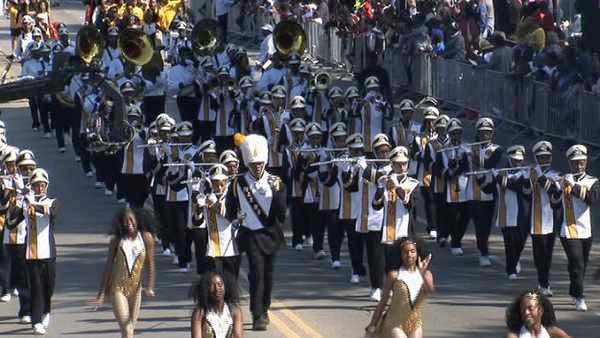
{"points": [[408, 288], [217, 313], [532, 315], [131, 251]]}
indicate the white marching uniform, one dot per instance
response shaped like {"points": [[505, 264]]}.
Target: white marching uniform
{"points": [[577, 220], [396, 215]]}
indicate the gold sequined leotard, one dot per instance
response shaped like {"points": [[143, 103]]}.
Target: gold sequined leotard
{"points": [[402, 313], [126, 281]]}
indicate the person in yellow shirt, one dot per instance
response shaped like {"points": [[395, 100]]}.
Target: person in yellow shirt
{"points": [[130, 7], [13, 12]]}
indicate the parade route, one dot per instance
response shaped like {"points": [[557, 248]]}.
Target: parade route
{"points": [[309, 298]]}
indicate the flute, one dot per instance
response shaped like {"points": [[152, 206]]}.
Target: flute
{"points": [[341, 160], [182, 164], [164, 144], [321, 149], [462, 145], [483, 172]]}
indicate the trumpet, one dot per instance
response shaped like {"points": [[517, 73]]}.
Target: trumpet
{"points": [[350, 159], [322, 81]]}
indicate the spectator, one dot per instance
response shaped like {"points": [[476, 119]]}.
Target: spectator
{"points": [[502, 57], [374, 69], [455, 46], [486, 13]]}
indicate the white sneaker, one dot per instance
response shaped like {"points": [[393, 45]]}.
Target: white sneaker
{"points": [[62, 149], [25, 320], [48, 135], [545, 291], [46, 320], [355, 279], [175, 260], [15, 293], [108, 192], [5, 298], [319, 255], [375, 295], [298, 247], [99, 185], [580, 304], [513, 276], [456, 251], [442, 243], [518, 267], [77, 159], [433, 234], [186, 269], [336, 265], [38, 329], [484, 261], [166, 252], [122, 200], [89, 174]]}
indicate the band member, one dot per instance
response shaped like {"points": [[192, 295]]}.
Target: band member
{"points": [[350, 205], [395, 195], [39, 213], [274, 76], [372, 112], [336, 112], [112, 64], [579, 192], [230, 160], [512, 210], [481, 208], [37, 66], [132, 178], [545, 212], [352, 107], [206, 91], [245, 104], [291, 169], [455, 163], [312, 193], [437, 184], [225, 125], [180, 79], [14, 189], [154, 80], [269, 125], [223, 253], [331, 194], [260, 198]]}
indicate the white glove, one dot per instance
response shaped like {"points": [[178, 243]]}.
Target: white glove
{"points": [[212, 199], [362, 163], [381, 182], [346, 166], [201, 200], [526, 173]]}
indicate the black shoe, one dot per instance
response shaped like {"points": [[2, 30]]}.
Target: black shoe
{"points": [[260, 324]]}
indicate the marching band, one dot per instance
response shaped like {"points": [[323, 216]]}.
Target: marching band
{"points": [[220, 179]]}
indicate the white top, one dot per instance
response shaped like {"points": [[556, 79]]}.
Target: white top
{"points": [[272, 76], [261, 190], [220, 323], [413, 280], [222, 7], [267, 48], [524, 333], [132, 248]]}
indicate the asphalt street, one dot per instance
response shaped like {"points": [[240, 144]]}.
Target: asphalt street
{"points": [[310, 299]]}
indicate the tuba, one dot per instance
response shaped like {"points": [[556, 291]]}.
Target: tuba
{"points": [[90, 43], [207, 37], [322, 81], [136, 46], [152, 69], [289, 38]]}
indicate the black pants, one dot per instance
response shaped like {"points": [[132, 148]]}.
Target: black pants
{"points": [[375, 257], [316, 225], [75, 125], [441, 216], [225, 265], [4, 267], [578, 254], [300, 225], [198, 237], [458, 218], [188, 108], [223, 143], [335, 233], [97, 159], [111, 168], [428, 208], [159, 212], [19, 278], [223, 19], [152, 106], [41, 275], [135, 189], [35, 116], [260, 278], [204, 130], [482, 213], [355, 247], [84, 153], [514, 242], [543, 247], [60, 120], [44, 109], [177, 215]]}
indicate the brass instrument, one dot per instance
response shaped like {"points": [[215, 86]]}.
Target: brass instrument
{"points": [[454, 148], [183, 164], [135, 46], [322, 81], [289, 38], [349, 159], [207, 37], [152, 69], [90, 43], [159, 144]]}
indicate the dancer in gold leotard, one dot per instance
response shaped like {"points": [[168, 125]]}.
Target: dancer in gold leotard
{"points": [[408, 288], [131, 252]]}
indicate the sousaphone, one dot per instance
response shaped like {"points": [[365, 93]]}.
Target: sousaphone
{"points": [[207, 37], [289, 38], [136, 46]]}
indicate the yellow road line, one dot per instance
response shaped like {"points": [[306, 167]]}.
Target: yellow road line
{"points": [[299, 322], [281, 326]]}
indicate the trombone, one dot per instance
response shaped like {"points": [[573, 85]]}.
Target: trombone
{"points": [[452, 148], [183, 164], [312, 150], [154, 145]]}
